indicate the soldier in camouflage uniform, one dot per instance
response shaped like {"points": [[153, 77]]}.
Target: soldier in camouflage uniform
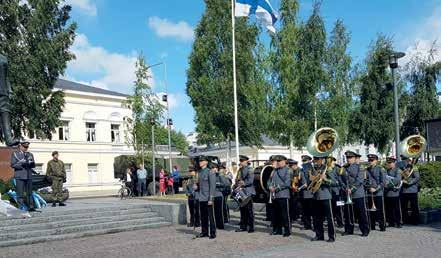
{"points": [[57, 173]]}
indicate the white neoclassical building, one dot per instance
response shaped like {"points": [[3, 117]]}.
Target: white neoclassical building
{"points": [[91, 136]]}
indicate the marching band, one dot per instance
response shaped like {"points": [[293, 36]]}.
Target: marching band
{"points": [[317, 191]]}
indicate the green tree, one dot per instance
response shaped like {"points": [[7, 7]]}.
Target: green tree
{"points": [[423, 76], [337, 101], [285, 124], [311, 56], [36, 36], [145, 107], [374, 121], [210, 77]]}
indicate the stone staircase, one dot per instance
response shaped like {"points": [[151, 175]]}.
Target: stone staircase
{"points": [[59, 224]]}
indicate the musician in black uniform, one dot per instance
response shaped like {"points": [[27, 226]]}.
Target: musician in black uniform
{"points": [[355, 188], [322, 200], [409, 191], [245, 179], [226, 191], [193, 202], [294, 201], [279, 186], [377, 176], [218, 196], [269, 206], [307, 196], [336, 190], [392, 193]]}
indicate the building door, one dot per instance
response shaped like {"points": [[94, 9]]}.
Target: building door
{"points": [[92, 169]]}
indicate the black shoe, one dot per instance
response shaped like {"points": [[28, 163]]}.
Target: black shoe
{"points": [[382, 229], [54, 204], [365, 234], [307, 228], [398, 226], [372, 228], [212, 237], [339, 226], [189, 225], [275, 233], [201, 235], [240, 230], [61, 204], [286, 234], [251, 231], [331, 240], [197, 225], [347, 233], [317, 239]]}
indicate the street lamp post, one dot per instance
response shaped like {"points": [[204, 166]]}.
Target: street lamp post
{"points": [[152, 122], [393, 64], [169, 121]]}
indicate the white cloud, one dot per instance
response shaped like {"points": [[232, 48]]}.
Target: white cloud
{"points": [[165, 28], [419, 43], [87, 7], [108, 70]]}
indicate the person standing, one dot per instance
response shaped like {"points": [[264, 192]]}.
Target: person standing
{"points": [[128, 179], [226, 191], [336, 198], [193, 204], [162, 182], [355, 189], [322, 200], [22, 161], [377, 177], [392, 200], [57, 173], [176, 179], [294, 213], [409, 192], [279, 186], [142, 180], [207, 188], [307, 196], [245, 179], [218, 197]]}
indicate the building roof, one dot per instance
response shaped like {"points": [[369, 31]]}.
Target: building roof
{"points": [[69, 85]]}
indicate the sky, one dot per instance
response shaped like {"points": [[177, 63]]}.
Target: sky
{"points": [[111, 34]]}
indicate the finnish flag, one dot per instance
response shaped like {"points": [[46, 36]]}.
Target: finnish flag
{"points": [[261, 8]]}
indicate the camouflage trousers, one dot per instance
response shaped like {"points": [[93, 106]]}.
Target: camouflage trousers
{"points": [[57, 189]]}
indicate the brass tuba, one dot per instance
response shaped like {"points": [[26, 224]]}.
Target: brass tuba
{"points": [[412, 147], [321, 143]]}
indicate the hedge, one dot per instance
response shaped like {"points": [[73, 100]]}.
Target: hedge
{"points": [[430, 174], [430, 198]]}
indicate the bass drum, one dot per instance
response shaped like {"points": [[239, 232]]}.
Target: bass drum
{"points": [[261, 176]]}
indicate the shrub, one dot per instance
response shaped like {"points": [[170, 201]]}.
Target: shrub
{"points": [[430, 198], [430, 174], [5, 186]]}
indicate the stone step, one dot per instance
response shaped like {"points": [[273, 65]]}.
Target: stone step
{"points": [[74, 216], [58, 211], [74, 222], [86, 226], [106, 230]]}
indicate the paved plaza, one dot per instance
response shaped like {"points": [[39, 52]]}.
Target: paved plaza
{"points": [[177, 241]]}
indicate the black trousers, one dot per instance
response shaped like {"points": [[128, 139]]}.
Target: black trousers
{"points": [[410, 199], [281, 215], [322, 210], [307, 208], [247, 216], [219, 211], [226, 210], [393, 211], [358, 208], [337, 210], [207, 218], [294, 213], [193, 206], [378, 215], [176, 187], [23, 188], [269, 211]]}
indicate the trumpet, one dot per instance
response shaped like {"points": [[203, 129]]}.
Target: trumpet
{"points": [[348, 199], [373, 208]]}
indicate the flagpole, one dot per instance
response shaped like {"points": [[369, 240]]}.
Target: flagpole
{"points": [[236, 120]]}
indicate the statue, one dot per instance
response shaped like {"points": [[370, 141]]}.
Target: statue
{"points": [[5, 105]]}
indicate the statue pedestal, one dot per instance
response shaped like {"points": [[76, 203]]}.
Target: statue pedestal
{"points": [[6, 172]]}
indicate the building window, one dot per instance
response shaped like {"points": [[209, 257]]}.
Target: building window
{"points": [[92, 170], [114, 134], [63, 131], [39, 169], [90, 132], [68, 168]]}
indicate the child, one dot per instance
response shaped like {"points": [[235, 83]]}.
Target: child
{"points": [[162, 182], [170, 184]]}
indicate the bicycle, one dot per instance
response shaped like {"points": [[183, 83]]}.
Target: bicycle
{"points": [[124, 192]]}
